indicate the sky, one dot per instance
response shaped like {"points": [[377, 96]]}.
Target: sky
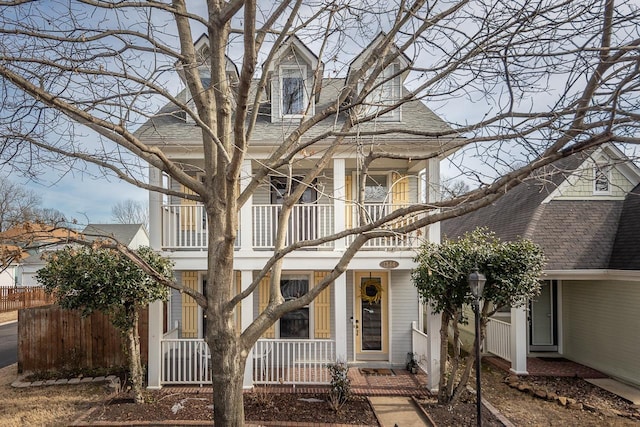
{"points": [[84, 197]]}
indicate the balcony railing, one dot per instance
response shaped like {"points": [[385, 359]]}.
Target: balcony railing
{"points": [[185, 226]]}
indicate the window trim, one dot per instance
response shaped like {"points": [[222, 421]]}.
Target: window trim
{"points": [[310, 306], [387, 77], [302, 69], [602, 170]]}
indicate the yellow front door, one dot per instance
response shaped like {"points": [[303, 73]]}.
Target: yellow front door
{"points": [[372, 315]]}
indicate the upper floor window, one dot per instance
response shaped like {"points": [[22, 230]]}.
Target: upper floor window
{"points": [[293, 95], [376, 189], [602, 178], [384, 93]]}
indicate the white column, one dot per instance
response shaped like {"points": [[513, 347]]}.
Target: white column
{"points": [[155, 351], [155, 210], [246, 214], [340, 307], [338, 201], [246, 277], [433, 195], [434, 321], [519, 340]]}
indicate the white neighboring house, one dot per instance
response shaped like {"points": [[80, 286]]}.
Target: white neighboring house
{"points": [[584, 211], [132, 235], [366, 316]]}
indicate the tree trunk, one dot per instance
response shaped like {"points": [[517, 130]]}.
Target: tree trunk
{"points": [[135, 365], [227, 374], [444, 345]]}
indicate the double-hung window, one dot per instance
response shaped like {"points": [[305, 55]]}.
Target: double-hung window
{"points": [[295, 324], [293, 94], [602, 178]]}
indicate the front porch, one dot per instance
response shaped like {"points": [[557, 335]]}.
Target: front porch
{"points": [[284, 362]]}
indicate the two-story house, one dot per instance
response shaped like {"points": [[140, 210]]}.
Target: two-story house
{"points": [[365, 317]]}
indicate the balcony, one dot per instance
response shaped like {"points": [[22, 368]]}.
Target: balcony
{"points": [[184, 227]]}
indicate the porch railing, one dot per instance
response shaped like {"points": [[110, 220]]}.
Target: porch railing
{"points": [[419, 346], [188, 361], [185, 361], [277, 361], [185, 226], [498, 339]]}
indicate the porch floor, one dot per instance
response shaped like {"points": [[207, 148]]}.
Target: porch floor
{"points": [[549, 367], [399, 383]]}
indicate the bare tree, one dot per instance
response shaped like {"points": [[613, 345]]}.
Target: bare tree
{"points": [[538, 80], [452, 188], [130, 212], [17, 204]]}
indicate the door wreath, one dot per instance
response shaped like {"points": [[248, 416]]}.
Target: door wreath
{"points": [[371, 291]]}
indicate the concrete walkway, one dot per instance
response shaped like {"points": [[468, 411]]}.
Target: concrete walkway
{"points": [[626, 392], [397, 411]]}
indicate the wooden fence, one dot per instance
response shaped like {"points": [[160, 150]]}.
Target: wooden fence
{"points": [[51, 338], [14, 298]]}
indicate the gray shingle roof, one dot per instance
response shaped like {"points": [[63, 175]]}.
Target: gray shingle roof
{"points": [[574, 234], [626, 248], [169, 125]]}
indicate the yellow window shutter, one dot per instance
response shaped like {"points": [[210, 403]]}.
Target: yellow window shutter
{"points": [[188, 211], [322, 309], [264, 301], [348, 215], [238, 309], [189, 306], [400, 191]]}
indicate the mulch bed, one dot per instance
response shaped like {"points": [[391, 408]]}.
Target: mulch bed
{"points": [[165, 405]]}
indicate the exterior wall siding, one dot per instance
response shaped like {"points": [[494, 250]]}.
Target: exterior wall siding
{"points": [[350, 300], [583, 186], [403, 310], [601, 324], [175, 308]]}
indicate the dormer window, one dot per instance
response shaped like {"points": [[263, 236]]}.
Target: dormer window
{"points": [[293, 95], [602, 178], [384, 93]]}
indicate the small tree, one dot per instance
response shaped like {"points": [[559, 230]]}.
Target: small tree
{"points": [[91, 278], [512, 270]]}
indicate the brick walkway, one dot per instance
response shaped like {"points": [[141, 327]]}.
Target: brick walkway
{"points": [[399, 383], [549, 367]]}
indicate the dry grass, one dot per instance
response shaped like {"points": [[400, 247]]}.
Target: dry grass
{"points": [[8, 316], [44, 406]]}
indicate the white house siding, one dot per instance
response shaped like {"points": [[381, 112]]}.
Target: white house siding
{"points": [[583, 187], [601, 325], [350, 302], [404, 304], [175, 307]]}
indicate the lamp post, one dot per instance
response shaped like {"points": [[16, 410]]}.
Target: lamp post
{"points": [[476, 283]]}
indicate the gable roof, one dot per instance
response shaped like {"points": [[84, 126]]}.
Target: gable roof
{"points": [[167, 127], [574, 234], [123, 233]]}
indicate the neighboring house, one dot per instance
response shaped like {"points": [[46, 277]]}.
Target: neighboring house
{"points": [[366, 315], [132, 235], [584, 212]]}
